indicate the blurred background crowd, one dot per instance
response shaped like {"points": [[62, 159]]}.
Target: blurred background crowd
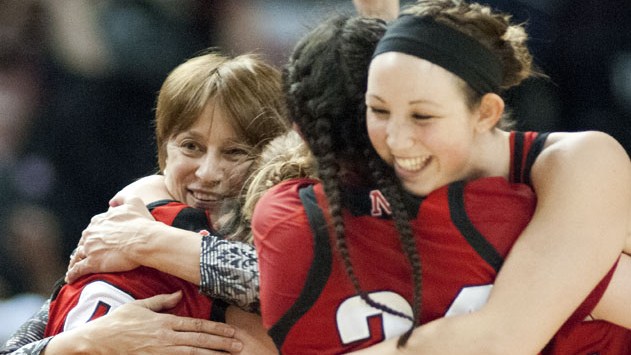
{"points": [[78, 81]]}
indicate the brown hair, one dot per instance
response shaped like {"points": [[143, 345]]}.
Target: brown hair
{"points": [[248, 89], [285, 157], [492, 29]]}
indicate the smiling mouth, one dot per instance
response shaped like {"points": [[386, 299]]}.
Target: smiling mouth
{"points": [[412, 164], [206, 197]]}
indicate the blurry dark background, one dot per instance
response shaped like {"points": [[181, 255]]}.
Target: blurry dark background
{"points": [[78, 81]]}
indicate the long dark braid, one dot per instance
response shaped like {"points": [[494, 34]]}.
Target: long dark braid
{"points": [[393, 191], [325, 81]]}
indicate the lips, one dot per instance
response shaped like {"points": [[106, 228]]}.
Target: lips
{"points": [[204, 199], [206, 196]]}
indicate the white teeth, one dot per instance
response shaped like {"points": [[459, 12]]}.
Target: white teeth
{"points": [[412, 164], [202, 197]]}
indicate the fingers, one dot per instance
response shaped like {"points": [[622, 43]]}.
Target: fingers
{"points": [[77, 255], [76, 270], [200, 333], [192, 332], [160, 302], [120, 199], [117, 200], [200, 341], [197, 325]]}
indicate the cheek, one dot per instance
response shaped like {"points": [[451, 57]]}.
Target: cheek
{"points": [[377, 135], [176, 172], [237, 173], [454, 154]]}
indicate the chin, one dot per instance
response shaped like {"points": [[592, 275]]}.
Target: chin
{"points": [[416, 190]]}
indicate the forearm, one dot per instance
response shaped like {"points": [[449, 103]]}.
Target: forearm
{"points": [[223, 269], [229, 270], [171, 250], [614, 305], [572, 241], [383, 9], [464, 334], [66, 343]]}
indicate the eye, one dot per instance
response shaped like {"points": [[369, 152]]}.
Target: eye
{"points": [[421, 117], [378, 112], [236, 153], [191, 146]]}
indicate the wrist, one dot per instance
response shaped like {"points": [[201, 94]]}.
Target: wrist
{"points": [[66, 343], [146, 243]]}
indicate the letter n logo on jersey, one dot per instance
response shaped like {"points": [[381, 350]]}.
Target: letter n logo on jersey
{"points": [[379, 204]]}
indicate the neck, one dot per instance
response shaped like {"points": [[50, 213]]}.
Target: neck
{"points": [[493, 155]]}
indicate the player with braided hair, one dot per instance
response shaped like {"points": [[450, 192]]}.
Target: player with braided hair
{"points": [[309, 292]]}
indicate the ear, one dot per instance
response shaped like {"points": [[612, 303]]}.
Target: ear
{"points": [[490, 112]]}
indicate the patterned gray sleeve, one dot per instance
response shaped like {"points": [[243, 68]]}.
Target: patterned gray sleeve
{"points": [[29, 338], [229, 270]]}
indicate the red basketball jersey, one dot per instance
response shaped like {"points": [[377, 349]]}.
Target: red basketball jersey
{"points": [[576, 336], [97, 294], [462, 233]]}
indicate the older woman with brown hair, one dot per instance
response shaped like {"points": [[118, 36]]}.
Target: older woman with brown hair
{"points": [[214, 115]]}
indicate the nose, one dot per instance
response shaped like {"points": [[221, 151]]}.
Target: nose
{"points": [[399, 135], [210, 169]]}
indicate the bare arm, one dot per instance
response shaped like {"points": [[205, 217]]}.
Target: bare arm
{"points": [[149, 189], [135, 327], [583, 187], [137, 324], [614, 305], [578, 231], [250, 331], [383, 9], [127, 236]]}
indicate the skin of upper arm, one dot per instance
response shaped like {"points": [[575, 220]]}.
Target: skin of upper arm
{"points": [[578, 230], [149, 189], [614, 305], [250, 330], [383, 9]]}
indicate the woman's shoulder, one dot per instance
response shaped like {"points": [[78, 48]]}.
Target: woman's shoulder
{"points": [[583, 147], [594, 156], [579, 138], [281, 204], [287, 190]]}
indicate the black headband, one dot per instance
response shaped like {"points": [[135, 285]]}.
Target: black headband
{"points": [[442, 45]]}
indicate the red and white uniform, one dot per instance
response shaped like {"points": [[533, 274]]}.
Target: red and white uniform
{"points": [[95, 295], [462, 232], [576, 336]]}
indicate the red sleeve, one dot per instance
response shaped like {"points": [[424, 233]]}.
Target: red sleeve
{"points": [[284, 244]]}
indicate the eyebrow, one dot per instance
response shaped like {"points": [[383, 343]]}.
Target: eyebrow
{"points": [[375, 97], [413, 102]]}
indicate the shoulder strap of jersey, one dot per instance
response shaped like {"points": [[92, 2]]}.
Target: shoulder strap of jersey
{"points": [[179, 215], [525, 148], [461, 220], [535, 149], [319, 271], [154, 204]]}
